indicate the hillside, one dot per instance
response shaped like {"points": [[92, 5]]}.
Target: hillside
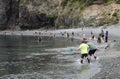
{"points": [[36, 14]]}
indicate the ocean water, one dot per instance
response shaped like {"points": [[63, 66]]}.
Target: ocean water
{"points": [[25, 57]]}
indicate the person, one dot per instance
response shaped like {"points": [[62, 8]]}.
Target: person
{"points": [[84, 39], [84, 51], [91, 32], [72, 33], [92, 49], [93, 37], [99, 39], [102, 34], [67, 35], [106, 36]]}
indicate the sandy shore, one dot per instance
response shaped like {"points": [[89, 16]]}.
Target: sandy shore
{"points": [[110, 60]]}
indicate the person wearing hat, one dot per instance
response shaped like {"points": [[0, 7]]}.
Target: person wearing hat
{"points": [[84, 51]]}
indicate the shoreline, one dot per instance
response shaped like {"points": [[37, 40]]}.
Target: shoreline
{"points": [[110, 64], [113, 31]]}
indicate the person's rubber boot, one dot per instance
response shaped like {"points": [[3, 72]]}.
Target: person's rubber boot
{"points": [[81, 61], [88, 60]]}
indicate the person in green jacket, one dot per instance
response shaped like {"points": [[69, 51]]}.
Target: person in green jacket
{"points": [[84, 51]]}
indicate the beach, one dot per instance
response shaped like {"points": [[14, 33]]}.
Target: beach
{"points": [[109, 59], [110, 68]]}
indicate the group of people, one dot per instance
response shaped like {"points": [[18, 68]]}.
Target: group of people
{"points": [[87, 49], [102, 37]]}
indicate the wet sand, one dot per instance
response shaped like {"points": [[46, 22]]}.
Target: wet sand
{"points": [[110, 68], [110, 60]]}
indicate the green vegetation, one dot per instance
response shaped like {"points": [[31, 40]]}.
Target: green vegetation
{"points": [[51, 19], [22, 2], [84, 3], [117, 1], [114, 15], [51, 15], [64, 3], [81, 3]]}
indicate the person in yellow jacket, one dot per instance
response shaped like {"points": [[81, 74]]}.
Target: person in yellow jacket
{"points": [[84, 51]]}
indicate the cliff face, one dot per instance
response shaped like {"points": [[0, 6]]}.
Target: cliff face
{"points": [[9, 10], [102, 14], [35, 14]]}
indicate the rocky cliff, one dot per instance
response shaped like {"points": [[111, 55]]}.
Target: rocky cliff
{"points": [[9, 13], [36, 14]]}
